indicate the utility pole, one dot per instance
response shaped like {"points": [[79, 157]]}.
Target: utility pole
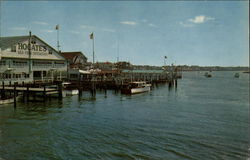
{"points": [[58, 46], [29, 52], [91, 36]]}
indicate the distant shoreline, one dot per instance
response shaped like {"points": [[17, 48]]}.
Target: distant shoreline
{"points": [[193, 68], [243, 71]]}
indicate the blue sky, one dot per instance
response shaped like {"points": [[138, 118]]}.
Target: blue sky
{"points": [[193, 33]]}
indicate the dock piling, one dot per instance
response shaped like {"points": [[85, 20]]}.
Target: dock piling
{"points": [[44, 93], [27, 93], [15, 95], [60, 90]]}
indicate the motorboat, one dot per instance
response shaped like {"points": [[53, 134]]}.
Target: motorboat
{"points": [[236, 75], [8, 100], [208, 75], [68, 91], [135, 87], [71, 92]]}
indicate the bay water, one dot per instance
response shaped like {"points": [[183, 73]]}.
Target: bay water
{"points": [[203, 118]]}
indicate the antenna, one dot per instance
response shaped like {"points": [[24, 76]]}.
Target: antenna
{"points": [[118, 50]]}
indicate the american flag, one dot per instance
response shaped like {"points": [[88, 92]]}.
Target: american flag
{"points": [[91, 36]]}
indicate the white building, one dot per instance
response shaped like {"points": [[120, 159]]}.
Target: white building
{"points": [[40, 62]]}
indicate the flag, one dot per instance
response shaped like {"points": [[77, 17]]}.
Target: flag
{"points": [[165, 57], [91, 36], [57, 27]]}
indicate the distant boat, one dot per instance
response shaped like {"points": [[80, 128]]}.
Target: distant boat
{"points": [[236, 75], [246, 72], [135, 87], [208, 75]]}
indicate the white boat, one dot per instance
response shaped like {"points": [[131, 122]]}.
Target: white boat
{"points": [[71, 92], [8, 100], [135, 87]]}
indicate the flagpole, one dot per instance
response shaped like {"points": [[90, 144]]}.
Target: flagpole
{"points": [[58, 39], [93, 48]]}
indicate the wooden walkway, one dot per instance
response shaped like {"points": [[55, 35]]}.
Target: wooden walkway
{"points": [[30, 90], [47, 90]]}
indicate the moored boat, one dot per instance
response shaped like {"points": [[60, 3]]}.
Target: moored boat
{"points": [[236, 75], [71, 92], [208, 75], [135, 87], [8, 100]]}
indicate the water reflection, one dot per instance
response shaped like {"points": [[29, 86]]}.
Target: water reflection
{"points": [[199, 114]]}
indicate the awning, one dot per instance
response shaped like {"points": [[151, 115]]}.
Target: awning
{"points": [[84, 72]]}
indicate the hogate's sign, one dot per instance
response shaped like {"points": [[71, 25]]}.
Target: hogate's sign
{"points": [[23, 48]]}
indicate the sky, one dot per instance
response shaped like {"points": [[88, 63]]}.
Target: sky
{"points": [[207, 33]]}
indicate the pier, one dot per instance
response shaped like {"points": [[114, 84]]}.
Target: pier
{"points": [[31, 91]]}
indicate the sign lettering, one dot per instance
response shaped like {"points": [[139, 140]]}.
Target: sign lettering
{"points": [[23, 48]]}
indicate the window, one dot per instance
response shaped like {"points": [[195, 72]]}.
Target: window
{"points": [[73, 75], [42, 63], [59, 63], [7, 76], [2, 63], [19, 63], [26, 75]]}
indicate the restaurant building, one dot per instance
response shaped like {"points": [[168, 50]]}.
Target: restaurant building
{"points": [[29, 58]]}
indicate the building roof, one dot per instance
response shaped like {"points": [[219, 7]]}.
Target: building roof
{"points": [[71, 55], [6, 42]]}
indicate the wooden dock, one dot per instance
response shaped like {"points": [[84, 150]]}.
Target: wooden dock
{"points": [[36, 91]]}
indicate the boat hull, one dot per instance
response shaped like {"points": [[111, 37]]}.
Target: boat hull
{"points": [[8, 100], [71, 92], [136, 90]]}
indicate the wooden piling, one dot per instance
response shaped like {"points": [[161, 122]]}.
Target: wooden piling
{"points": [[15, 95], [3, 91], [60, 90], [44, 93], [27, 92]]}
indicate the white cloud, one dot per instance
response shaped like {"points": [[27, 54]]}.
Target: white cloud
{"points": [[196, 20], [40, 23], [152, 25], [144, 20], [200, 19], [47, 31], [19, 28], [129, 23]]}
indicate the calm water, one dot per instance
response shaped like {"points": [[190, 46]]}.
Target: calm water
{"points": [[204, 118]]}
